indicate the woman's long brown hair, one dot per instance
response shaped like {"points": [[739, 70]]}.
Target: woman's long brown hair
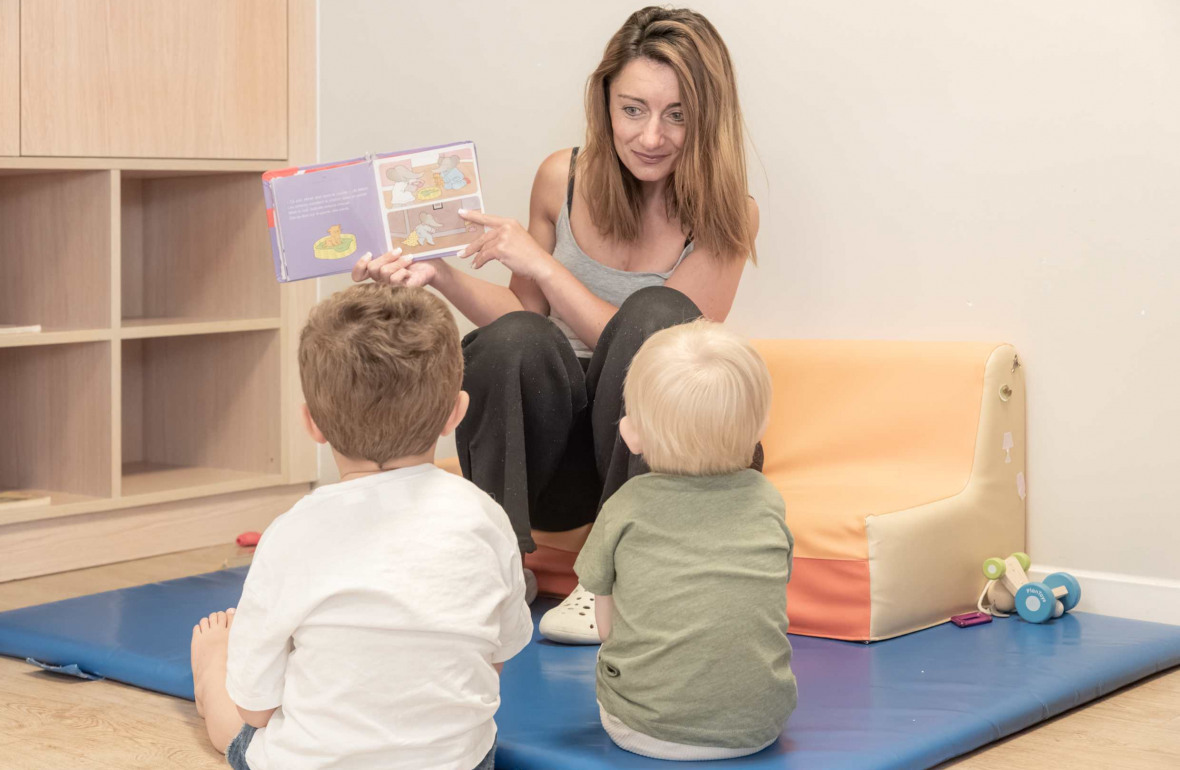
{"points": [[707, 192]]}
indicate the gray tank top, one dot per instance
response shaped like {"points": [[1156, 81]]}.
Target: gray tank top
{"points": [[607, 283]]}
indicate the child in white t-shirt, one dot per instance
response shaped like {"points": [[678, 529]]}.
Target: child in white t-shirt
{"points": [[378, 611]]}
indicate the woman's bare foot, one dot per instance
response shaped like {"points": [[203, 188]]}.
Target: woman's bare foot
{"points": [[209, 648]]}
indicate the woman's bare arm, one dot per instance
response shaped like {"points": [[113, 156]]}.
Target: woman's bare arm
{"points": [[711, 284], [481, 301], [487, 302], [577, 306], [544, 207], [478, 300]]}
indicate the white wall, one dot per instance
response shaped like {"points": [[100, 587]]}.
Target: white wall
{"points": [[927, 169]]}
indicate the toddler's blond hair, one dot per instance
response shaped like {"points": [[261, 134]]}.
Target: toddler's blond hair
{"points": [[698, 395]]}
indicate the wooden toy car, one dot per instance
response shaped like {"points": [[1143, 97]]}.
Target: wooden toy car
{"points": [[1009, 588]]}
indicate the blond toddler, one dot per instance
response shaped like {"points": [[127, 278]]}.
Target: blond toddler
{"points": [[689, 563]]}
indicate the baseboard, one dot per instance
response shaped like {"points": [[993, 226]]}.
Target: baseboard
{"points": [[1123, 596], [74, 542]]}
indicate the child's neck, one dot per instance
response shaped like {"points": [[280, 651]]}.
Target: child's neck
{"points": [[351, 468]]}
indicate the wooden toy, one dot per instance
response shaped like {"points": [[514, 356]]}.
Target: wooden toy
{"points": [[1009, 588]]}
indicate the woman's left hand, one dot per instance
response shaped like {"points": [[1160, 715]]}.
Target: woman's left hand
{"points": [[507, 241]]}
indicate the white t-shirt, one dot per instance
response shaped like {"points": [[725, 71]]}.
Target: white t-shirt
{"points": [[371, 616]]}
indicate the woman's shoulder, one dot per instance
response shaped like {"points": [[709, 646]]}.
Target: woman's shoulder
{"points": [[551, 182], [555, 169]]}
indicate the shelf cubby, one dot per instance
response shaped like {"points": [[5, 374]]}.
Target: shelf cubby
{"points": [[55, 422], [56, 265], [194, 252], [200, 411], [155, 404]]}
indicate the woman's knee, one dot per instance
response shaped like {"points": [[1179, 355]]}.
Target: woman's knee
{"points": [[515, 340], [511, 331], [657, 307]]}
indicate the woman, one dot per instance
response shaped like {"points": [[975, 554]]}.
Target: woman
{"points": [[649, 225]]}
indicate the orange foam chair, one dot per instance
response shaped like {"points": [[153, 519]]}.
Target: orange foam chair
{"points": [[902, 468]]}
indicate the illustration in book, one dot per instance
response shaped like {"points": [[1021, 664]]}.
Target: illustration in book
{"points": [[335, 245], [324, 218]]}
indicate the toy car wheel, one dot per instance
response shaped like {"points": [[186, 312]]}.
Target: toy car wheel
{"points": [[1023, 559], [1035, 602], [1071, 599], [993, 568]]}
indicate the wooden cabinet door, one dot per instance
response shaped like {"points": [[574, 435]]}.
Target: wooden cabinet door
{"points": [[9, 77], [154, 78]]}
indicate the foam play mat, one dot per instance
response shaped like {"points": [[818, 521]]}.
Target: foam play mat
{"points": [[912, 701]]}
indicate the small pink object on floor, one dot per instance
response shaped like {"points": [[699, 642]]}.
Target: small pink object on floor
{"points": [[971, 619], [249, 539]]}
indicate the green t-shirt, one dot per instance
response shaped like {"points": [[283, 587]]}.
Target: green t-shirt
{"points": [[697, 567]]}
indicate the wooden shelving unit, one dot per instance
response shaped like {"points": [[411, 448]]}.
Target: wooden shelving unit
{"points": [[156, 407]]}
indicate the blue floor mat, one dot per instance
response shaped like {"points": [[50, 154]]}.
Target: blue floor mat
{"points": [[908, 702]]}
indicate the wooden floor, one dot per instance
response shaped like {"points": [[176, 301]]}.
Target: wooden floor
{"points": [[49, 721], [53, 722]]}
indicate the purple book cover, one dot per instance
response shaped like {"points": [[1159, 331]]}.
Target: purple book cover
{"points": [[324, 218]]}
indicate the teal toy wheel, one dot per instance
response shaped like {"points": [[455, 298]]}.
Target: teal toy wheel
{"points": [[993, 568], [1071, 584], [1035, 602]]}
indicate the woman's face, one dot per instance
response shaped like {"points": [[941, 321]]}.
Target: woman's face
{"points": [[647, 120]]}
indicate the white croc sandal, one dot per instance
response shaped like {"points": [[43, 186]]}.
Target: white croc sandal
{"points": [[572, 621], [530, 586]]}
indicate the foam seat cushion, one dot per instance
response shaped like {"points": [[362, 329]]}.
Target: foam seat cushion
{"points": [[898, 480], [890, 459]]}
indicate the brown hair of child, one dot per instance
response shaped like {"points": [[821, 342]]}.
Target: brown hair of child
{"points": [[381, 367]]}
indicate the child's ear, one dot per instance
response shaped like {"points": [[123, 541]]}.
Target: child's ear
{"points": [[309, 425], [462, 401], [630, 436]]}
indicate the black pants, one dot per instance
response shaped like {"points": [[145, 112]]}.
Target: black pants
{"points": [[542, 433]]}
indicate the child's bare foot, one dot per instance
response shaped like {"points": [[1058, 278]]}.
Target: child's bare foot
{"points": [[209, 646]]}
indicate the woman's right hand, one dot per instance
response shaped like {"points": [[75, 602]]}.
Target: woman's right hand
{"points": [[395, 269]]}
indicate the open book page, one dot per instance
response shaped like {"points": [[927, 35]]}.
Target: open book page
{"points": [[327, 219], [421, 194]]}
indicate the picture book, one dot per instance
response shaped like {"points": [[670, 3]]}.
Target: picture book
{"points": [[324, 218]]}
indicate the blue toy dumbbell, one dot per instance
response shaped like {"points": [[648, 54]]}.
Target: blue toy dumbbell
{"points": [[1056, 595]]}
